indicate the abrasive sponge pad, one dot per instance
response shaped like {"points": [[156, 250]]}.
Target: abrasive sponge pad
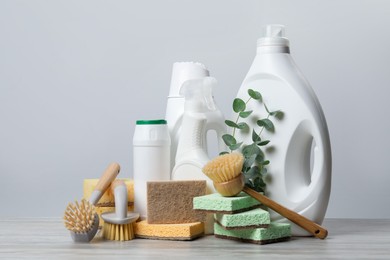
{"points": [[218, 204], [255, 218], [170, 202], [276, 232], [185, 231]]}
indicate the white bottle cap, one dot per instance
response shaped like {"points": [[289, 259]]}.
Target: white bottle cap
{"points": [[183, 71], [273, 35]]}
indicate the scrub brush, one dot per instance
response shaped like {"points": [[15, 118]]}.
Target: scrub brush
{"points": [[225, 172], [118, 225], [81, 219]]}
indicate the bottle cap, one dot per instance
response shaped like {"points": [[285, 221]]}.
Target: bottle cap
{"points": [[273, 35], [151, 122]]}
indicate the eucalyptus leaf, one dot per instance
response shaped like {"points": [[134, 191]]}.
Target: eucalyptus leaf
{"points": [[254, 94], [222, 153], [255, 137], [263, 143], [231, 123], [245, 114], [235, 146], [239, 105], [249, 161], [242, 126], [265, 162], [267, 124], [229, 139], [251, 149]]}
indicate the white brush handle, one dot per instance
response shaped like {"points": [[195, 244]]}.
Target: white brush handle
{"points": [[120, 192]]}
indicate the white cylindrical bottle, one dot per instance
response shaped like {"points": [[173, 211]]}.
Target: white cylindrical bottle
{"points": [[299, 175], [151, 159]]}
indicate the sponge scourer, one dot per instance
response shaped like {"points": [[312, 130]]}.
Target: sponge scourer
{"points": [[186, 231], [170, 202], [276, 232], [255, 218], [216, 203]]}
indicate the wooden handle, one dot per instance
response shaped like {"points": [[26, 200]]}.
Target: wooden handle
{"points": [[294, 217], [108, 176]]}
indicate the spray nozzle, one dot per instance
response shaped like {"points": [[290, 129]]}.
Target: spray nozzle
{"points": [[198, 94]]}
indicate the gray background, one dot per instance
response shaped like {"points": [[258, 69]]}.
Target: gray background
{"points": [[75, 75]]}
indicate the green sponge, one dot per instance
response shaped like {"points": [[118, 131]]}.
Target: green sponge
{"points": [[216, 203], [276, 232], [255, 218]]}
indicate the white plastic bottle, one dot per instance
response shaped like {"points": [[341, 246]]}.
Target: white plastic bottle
{"points": [[201, 115], [151, 159], [299, 175], [181, 72]]}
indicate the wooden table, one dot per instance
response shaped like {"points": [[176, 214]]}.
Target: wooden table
{"points": [[47, 238]]}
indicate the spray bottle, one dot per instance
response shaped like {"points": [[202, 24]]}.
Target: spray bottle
{"points": [[200, 116], [181, 72], [299, 176]]}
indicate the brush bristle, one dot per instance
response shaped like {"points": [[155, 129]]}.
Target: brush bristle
{"points": [[79, 217], [224, 167], [118, 232]]}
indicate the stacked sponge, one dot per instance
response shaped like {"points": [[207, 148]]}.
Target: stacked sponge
{"points": [[170, 214], [242, 218]]}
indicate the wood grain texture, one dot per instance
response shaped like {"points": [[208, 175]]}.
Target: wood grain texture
{"points": [[48, 239], [296, 218]]}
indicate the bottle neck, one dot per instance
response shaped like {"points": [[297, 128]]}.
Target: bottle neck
{"points": [[264, 49]]}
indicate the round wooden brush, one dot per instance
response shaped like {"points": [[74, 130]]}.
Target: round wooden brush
{"points": [[225, 172], [82, 220]]}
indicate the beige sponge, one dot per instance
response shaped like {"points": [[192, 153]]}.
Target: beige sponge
{"points": [[107, 201], [170, 202], [185, 231]]}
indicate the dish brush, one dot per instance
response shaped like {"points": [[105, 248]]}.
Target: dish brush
{"points": [[118, 225], [81, 219], [228, 180]]}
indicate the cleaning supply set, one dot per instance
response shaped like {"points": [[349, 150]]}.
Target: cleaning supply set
{"points": [[181, 194]]}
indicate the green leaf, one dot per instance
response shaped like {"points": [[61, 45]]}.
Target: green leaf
{"points": [[245, 114], [231, 123], [255, 137], [254, 94], [235, 146], [249, 161], [260, 158], [253, 172], [263, 143], [267, 124], [265, 162], [242, 126], [250, 150], [222, 153], [229, 139], [277, 114], [238, 105]]}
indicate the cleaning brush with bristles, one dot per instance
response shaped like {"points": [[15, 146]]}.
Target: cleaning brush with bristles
{"points": [[118, 225], [81, 220], [226, 173]]}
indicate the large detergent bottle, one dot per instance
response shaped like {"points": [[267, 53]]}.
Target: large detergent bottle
{"points": [[181, 72], [299, 175]]}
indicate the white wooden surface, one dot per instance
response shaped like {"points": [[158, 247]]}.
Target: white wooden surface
{"points": [[47, 238]]}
